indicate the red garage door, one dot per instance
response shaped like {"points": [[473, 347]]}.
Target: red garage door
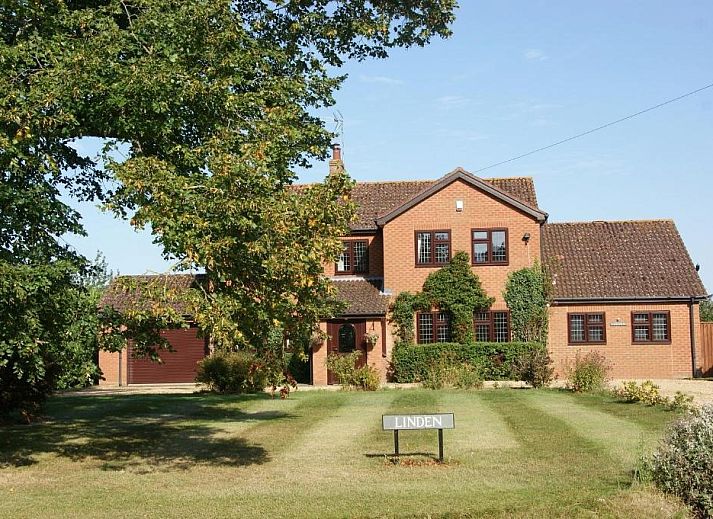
{"points": [[177, 366]]}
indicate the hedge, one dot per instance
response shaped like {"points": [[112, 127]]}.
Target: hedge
{"points": [[409, 362]]}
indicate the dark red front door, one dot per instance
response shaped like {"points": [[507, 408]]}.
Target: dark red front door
{"points": [[346, 336]]}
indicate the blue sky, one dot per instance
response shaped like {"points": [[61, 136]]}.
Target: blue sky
{"points": [[517, 76]]}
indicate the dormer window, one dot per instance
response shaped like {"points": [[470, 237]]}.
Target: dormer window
{"points": [[354, 258], [490, 246]]}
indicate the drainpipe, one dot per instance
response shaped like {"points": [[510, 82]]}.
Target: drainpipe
{"points": [[691, 318], [120, 367]]}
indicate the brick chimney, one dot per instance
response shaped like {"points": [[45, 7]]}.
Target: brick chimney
{"points": [[335, 164]]}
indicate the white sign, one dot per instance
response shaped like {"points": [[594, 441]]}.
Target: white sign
{"points": [[406, 422]]}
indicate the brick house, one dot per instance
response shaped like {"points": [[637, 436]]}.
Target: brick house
{"points": [[626, 289]]}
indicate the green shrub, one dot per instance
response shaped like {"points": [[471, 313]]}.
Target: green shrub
{"points": [[494, 360], [447, 371], [683, 464], [534, 367], [650, 394], [589, 373], [232, 372], [366, 378], [343, 366]]}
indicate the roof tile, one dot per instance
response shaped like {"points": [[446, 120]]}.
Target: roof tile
{"points": [[630, 259], [376, 199], [363, 296]]}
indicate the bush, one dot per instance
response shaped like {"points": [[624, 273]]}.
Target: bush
{"points": [[366, 378], [343, 366], [232, 372], [589, 372], [649, 393], [534, 367], [682, 465], [494, 360], [448, 371]]}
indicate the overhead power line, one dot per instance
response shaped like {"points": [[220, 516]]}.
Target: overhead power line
{"points": [[596, 129]]}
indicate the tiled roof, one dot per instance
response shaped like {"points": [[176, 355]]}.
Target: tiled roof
{"points": [[632, 259], [363, 296], [124, 292], [375, 199]]}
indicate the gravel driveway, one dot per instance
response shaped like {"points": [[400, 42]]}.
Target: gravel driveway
{"points": [[700, 390]]}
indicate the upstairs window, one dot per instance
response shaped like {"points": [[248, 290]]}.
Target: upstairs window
{"points": [[354, 258], [490, 246], [587, 328], [433, 327], [492, 326], [651, 327], [433, 248]]}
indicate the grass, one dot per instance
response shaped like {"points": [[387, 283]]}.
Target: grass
{"points": [[523, 453]]}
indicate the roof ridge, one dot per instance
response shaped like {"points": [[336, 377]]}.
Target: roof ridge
{"points": [[643, 220], [418, 180]]}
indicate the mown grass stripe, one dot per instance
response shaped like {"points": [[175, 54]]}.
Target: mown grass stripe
{"points": [[624, 440], [478, 427]]}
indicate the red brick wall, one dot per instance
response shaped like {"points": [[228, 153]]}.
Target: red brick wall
{"points": [[109, 364], [374, 354], [376, 257], [438, 212], [629, 360]]}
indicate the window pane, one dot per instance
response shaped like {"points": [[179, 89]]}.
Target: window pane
{"points": [[424, 247], [499, 246], [641, 333], [480, 235], [482, 316], [482, 332], [347, 338], [596, 334], [442, 253], [500, 327], [480, 252], [595, 318], [443, 330], [442, 236], [660, 325], [576, 328], [641, 318], [425, 328], [344, 262], [360, 256]]}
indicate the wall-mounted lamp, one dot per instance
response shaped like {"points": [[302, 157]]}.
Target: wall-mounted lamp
{"points": [[459, 206], [526, 237]]}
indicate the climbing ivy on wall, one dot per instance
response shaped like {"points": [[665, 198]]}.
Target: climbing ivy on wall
{"points": [[453, 288], [527, 294]]}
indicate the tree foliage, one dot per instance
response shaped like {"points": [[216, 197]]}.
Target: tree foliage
{"points": [[527, 294], [205, 108], [706, 310]]}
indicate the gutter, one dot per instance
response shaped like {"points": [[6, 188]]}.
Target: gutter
{"points": [[634, 300]]}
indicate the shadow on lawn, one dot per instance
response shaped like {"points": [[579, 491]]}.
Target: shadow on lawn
{"points": [[138, 436]]}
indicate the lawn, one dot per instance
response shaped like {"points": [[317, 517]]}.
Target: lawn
{"points": [[529, 453]]}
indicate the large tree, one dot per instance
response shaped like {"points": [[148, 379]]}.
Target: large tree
{"points": [[206, 108]]}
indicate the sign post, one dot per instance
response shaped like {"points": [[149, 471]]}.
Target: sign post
{"points": [[418, 422]]}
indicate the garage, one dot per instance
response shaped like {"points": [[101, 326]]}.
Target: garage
{"points": [[177, 366]]}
